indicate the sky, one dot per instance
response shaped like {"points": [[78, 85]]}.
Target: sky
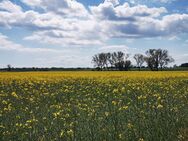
{"points": [[67, 33]]}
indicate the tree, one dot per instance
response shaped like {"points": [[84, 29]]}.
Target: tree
{"points": [[119, 60], [164, 58], [139, 58], [184, 65], [151, 59], [108, 57], [101, 60], [115, 59], [96, 61], [157, 57], [127, 64], [9, 67]]}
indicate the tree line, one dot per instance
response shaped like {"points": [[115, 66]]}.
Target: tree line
{"points": [[154, 58]]}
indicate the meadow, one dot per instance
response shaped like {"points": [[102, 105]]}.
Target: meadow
{"points": [[94, 106]]}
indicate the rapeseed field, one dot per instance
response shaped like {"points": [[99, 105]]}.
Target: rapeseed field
{"points": [[94, 106]]}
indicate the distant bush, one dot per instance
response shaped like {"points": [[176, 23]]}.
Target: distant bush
{"points": [[184, 65]]}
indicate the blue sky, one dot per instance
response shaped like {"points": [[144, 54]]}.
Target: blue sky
{"points": [[67, 33]]}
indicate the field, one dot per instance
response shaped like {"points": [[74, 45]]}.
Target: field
{"points": [[94, 106]]}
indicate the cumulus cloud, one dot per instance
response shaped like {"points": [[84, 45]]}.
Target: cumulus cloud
{"points": [[108, 11], [70, 8], [114, 2], [68, 22], [150, 1], [10, 7], [64, 38], [124, 21], [165, 1], [112, 48], [6, 44], [32, 3]]}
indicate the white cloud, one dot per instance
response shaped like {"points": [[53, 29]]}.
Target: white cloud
{"points": [[180, 58], [114, 2], [32, 3], [165, 1], [66, 60], [70, 8], [150, 1], [172, 38], [70, 23], [6, 44], [10, 7], [112, 48], [124, 21], [62, 38], [140, 10], [85, 32], [125, 12]]}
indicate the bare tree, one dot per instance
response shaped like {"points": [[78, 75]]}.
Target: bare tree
{"points": [[151, 59], [9, 67], [139, 58], [101, 60], [164, 58], [156, 58], [96, 61], [119, 60], [127, 64], [108, 57]]}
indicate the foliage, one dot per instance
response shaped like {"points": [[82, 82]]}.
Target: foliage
{"points": [[184, 65]]}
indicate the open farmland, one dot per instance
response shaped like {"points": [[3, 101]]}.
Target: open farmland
{"points": [[94, 106]]}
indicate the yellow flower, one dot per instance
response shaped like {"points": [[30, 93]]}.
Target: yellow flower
{"points": [[129, 125], [106, 113], [56, 114], [115, 91], [123, 89], [120, 136], [62, 133], [4, 102], [159, 106], [141, 139], [70, 132], [114, 102], [125, 107], [14, 94], [66, 90]]}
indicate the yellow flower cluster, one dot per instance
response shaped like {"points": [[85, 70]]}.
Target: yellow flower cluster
{"points": [[96, 106]]}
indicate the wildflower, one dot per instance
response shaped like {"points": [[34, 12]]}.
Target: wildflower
{"points": [[123, 89], [62, 133], [106, 114], [159, 106], [141, 139], [115, 91], [129, 125], [70, 132], [114, 103], [4, 102], [120, 136], [125, 107], [14, 94], [56, 114]]}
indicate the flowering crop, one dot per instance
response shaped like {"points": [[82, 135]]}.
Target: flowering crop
{"points": [[97, 106]]}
